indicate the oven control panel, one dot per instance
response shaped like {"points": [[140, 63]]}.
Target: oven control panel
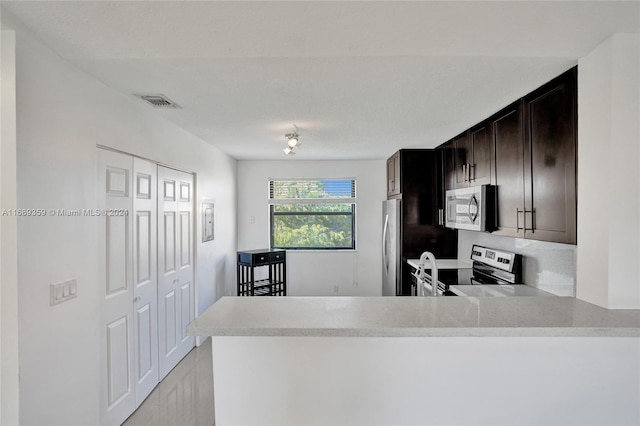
{"points": [[497, 259]]}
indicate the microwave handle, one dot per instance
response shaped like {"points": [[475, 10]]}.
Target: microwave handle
{"points": [[473, 200]]}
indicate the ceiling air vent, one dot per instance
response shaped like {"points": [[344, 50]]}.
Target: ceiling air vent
{"points": [[159, 101]]}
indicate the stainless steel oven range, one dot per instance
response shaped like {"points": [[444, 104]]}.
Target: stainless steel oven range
{"points": [[490, 266]]}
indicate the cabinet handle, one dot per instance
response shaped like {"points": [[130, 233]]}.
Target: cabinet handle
{"points": [[524, 216], [533, 220], [464, 172], [472, 166], [518, 211]]}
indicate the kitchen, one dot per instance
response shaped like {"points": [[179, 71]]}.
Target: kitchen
{"points": [[60, 123], [548, 266]]}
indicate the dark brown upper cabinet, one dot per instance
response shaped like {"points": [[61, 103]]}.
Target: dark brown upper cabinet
{"points": [[467, 158], [528, 152], [507, 130], [462, 149], [393, 175], [418, 183], [479, 168], [448, 153], [550, 146]]}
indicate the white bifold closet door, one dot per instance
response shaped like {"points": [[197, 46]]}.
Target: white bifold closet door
{"points": [[143, 235], [127, 233], [117, 399], [176, 293], [145, 274]]}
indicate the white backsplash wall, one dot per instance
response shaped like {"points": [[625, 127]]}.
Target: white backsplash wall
{"points": [[548, 266]]}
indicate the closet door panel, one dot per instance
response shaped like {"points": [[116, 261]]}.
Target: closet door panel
{"points": [[175, 257]]}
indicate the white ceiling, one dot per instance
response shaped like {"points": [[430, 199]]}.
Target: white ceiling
{"points": [[359, 79]]}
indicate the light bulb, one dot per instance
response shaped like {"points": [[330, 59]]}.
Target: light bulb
{"points": [[288, 151], [293, 141]]}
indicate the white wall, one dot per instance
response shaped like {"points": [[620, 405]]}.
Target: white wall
{"points": [[608, 265], [426, 381], [9, 390], [317, 273], [548, 266], [62, 115]]}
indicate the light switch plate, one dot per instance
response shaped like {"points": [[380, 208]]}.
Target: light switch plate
{"points": [[61, 292]]}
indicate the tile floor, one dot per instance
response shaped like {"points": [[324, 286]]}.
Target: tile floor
{"points": [[184, 397]]}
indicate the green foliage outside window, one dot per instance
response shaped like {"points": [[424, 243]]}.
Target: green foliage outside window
{"points": [[327, 222]]}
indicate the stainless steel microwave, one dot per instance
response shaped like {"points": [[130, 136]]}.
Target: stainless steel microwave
{"points": [[466, 208]]}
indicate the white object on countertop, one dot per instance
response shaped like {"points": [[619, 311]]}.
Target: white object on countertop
{"points": [[427, 258]]}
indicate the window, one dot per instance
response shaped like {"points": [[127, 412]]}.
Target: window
{"points": [[317, 214]]}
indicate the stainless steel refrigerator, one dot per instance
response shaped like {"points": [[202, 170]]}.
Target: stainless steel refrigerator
{"points": [[391, 261]]}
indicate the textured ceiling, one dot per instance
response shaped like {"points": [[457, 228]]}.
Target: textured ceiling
{"points": [[359, 79]]}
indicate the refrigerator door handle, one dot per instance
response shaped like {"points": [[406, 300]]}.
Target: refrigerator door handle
{"points": [[385, 258]]}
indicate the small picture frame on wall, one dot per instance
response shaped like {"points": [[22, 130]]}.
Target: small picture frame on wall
{"points": [[207, 222]]}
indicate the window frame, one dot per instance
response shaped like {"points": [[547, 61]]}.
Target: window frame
{"points": [[273, 202]]}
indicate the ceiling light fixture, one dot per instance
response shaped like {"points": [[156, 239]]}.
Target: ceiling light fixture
{"points": [[293, 141]]}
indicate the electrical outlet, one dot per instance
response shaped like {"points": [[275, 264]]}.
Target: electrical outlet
{"points": [[61, 292], [335, 288]]}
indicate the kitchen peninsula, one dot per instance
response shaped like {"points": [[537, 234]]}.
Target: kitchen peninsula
{"points": [[422, 360]]}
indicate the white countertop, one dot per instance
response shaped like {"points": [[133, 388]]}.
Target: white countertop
{"points": [[442, 263], [413, 317], [499, 290]]}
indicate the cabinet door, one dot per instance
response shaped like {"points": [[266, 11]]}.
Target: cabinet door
{"points": [[393, 175], [448, 151], [479, 172], [507, 129], [463, 159], [390, 174], [550, 156]]}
